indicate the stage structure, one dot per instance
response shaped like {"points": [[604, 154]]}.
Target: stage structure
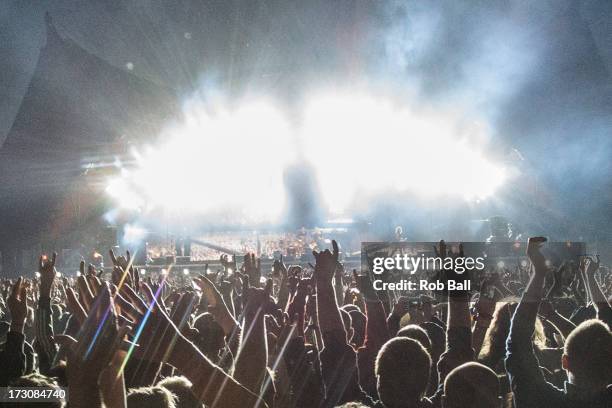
{"points": [[77, 121]]}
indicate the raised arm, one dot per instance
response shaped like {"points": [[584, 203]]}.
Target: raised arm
{"points": [[530, 388], [12, 358], [338, 359], [251, 361], [485, 307], [91, 356], [588, 269], [160, 341], [217, 306], [458, 325], [43, 323], [377, 333], [559, 323], [330, 320], [280, 270]]}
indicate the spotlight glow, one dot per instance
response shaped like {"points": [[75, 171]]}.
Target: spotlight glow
{"points": [[133, 234], [223, 163], [384, 148], [227, 163]]}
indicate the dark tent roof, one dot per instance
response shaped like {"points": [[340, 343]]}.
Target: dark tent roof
{"points": [[77, 109]]}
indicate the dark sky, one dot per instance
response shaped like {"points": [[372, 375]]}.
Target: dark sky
{"points": [[540, 70]]}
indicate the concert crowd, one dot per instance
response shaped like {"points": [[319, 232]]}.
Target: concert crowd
{"points": [[309, 336]]}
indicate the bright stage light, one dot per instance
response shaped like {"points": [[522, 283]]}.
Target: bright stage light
{"points": [[133, 234], [227, 163], [361, 145]]}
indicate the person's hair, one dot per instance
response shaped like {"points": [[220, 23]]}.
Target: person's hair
{"points": [[150, 397], [494, 344], [210, 338], [353, 404], [347, 323], [358, 322], [471, 385], [437, 335], [350, 308], [346, 319], [36, 380], [402, 371], [181, 388], [417, 333], [589, 352]]}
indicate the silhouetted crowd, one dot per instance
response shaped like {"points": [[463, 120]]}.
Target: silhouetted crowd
{"points": [[317, 336]]}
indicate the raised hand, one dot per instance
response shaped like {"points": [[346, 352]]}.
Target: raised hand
{"points": [[86, 292], [181, 311], [485, 306], [257, 300], [326, 263], [227, 264], [93, 351], [216, 305], [252, 268], [47, 271], [589, 265], [440, 250], [74, 306], [296, 308], [293, 278], [400, 308], [534, 253], [279, 268], [17, 303], [158, 333], [364, 284], [124, 271], [124, 262]]}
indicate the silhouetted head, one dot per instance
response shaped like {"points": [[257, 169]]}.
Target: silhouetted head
{"points": [[150, 397], [210, 338], [588, 355], [471, 385], [181, 388], [417, 333], [402, 372], [35, 380]]}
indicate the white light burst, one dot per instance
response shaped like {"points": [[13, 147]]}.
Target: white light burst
{"points": [[228, 162]]}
